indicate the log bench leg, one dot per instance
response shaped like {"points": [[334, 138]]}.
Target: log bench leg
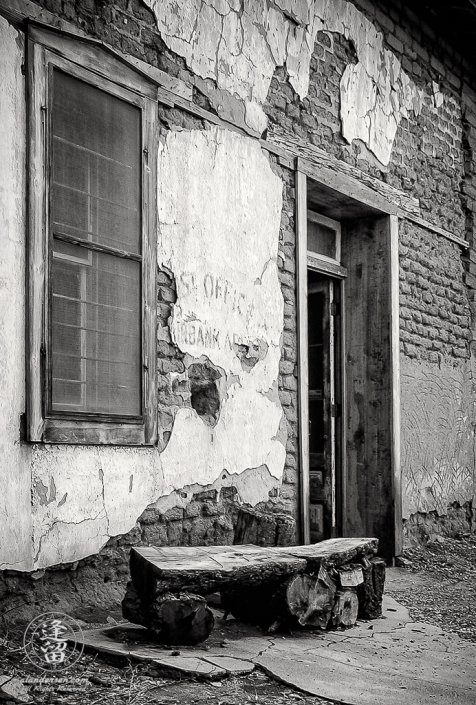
{"points": [[302, 600], [174, 618], [370, 592]]}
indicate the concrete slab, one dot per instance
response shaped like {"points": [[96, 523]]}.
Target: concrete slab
{"points": [[131, 641], [391, 660]]}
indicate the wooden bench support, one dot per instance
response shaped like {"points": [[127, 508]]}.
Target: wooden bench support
{"points": [[174, 618], [320, 585]]}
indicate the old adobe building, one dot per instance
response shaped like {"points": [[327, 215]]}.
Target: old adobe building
{"points": [[237, 279]]}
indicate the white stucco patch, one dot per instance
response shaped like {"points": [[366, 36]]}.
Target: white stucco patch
{"points": [[83, 495], [437, 437], [239, 44], [219, 212], [15, 510]]}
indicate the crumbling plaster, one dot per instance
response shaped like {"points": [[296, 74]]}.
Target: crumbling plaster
{"points": [[15, 511], [61, 503], [219, 212], [438, 462], [228, 294], [239, 44]]}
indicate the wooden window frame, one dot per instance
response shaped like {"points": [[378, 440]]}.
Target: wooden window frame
{"points": [[49, 49], [332, 225]]}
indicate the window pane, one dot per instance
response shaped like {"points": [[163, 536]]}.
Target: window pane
{"points": [[96, 333], [321, 239], [96, 165]]}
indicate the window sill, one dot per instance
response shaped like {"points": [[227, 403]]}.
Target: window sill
{"points": [[90, 433]]}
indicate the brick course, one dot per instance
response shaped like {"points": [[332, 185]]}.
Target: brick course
{"points": [[435, 318]]}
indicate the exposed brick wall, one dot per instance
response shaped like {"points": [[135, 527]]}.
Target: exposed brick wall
{"points": [[287, 381], [427, 159], [92, 589], [435, 318], [316, 118], [427, 163], [431, 160]]}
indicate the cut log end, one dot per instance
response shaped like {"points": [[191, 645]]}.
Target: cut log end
{"points": [[346, 606], [180, 619], [310, 599]]}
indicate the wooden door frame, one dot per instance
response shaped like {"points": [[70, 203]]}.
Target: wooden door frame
{"points": [[360, 197], [328, 285]]}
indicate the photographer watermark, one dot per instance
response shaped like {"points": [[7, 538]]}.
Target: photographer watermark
{"points": [[46, 684], [46, 641]]}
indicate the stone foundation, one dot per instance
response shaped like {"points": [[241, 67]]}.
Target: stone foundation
{"points": [[423, 528], [92, 589]]}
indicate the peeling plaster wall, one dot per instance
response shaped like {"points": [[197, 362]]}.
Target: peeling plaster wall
{"points": [[218, 238], [63, 503], [239, 44], [228, 296], [438, 458], [219, 211], [83, 495], [15, 511]]}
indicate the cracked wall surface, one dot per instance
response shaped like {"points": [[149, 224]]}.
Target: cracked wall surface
{"points": [[438, 467], [219, 211], [62, 503], [239, 44]]}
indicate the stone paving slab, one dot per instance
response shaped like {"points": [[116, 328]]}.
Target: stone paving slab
{"points": [[354, 685], [392, 660], [212, 663]]}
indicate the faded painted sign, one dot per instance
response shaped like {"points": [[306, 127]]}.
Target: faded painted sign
{"points": [[219, 212]]}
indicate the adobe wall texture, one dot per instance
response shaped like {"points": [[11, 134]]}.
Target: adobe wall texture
{"points": [[369, 84], [431, 160]]}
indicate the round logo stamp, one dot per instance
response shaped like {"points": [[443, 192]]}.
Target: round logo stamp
{"points": [[47, 638]]}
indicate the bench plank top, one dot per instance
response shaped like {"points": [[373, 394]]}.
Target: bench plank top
{"points": [[156, 569]]}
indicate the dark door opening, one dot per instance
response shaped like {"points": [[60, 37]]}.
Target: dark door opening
{"points": [[347, 235], [324, 404]]}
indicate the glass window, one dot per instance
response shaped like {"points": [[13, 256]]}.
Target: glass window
{"points": [[92, 246]]}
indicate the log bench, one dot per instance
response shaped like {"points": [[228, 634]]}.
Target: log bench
{"points": [[328, 584]]}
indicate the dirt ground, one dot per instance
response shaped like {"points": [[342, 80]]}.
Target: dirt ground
{"points": [[438, 585]]}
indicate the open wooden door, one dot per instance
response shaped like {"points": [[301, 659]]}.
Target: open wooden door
{"points": [[324, 406], [348, 351]]}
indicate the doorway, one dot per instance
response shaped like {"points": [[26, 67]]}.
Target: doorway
{"points": [[348, 347], [324, 359]]}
